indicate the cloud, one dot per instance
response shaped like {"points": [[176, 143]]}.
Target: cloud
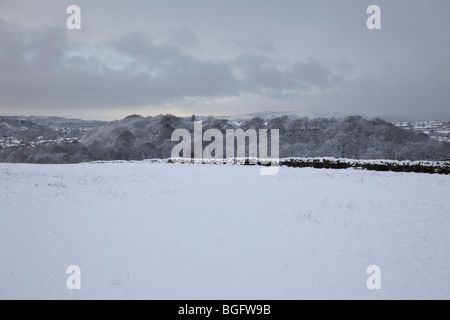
{"points": [[300, 55], [44, 68], [261, 74], [182, 37], [254, 45]]}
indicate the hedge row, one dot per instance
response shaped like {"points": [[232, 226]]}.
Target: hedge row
{"points": [[338, 164]]}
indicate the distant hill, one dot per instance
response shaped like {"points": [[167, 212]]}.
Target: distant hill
{"points": [[138, 138], [58, 121]]}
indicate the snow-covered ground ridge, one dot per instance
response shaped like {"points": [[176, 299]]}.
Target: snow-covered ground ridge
{"points": [[281, 160], [425, 166]]}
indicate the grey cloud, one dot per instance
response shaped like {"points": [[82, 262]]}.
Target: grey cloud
{"points": [[189, 49], [260, 73], [205, 78], [42, 68], [182, 37], [38, 69], [254, 45], [175, 74]]}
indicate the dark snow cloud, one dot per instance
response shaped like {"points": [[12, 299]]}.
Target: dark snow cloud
{"points": [[221, 57], [43, 68]]}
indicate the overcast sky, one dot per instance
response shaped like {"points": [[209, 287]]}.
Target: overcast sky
{"points": [[224, 57]]}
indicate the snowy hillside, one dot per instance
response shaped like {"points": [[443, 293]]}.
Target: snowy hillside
{"points": [[165, 231], [139, 138], [439, 130]]}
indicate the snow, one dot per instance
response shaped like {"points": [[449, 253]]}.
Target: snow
{"points": [[172, 231], [432, 128]]}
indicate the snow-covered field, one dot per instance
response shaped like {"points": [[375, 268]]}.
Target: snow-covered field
{"points": [[164, 231]]}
